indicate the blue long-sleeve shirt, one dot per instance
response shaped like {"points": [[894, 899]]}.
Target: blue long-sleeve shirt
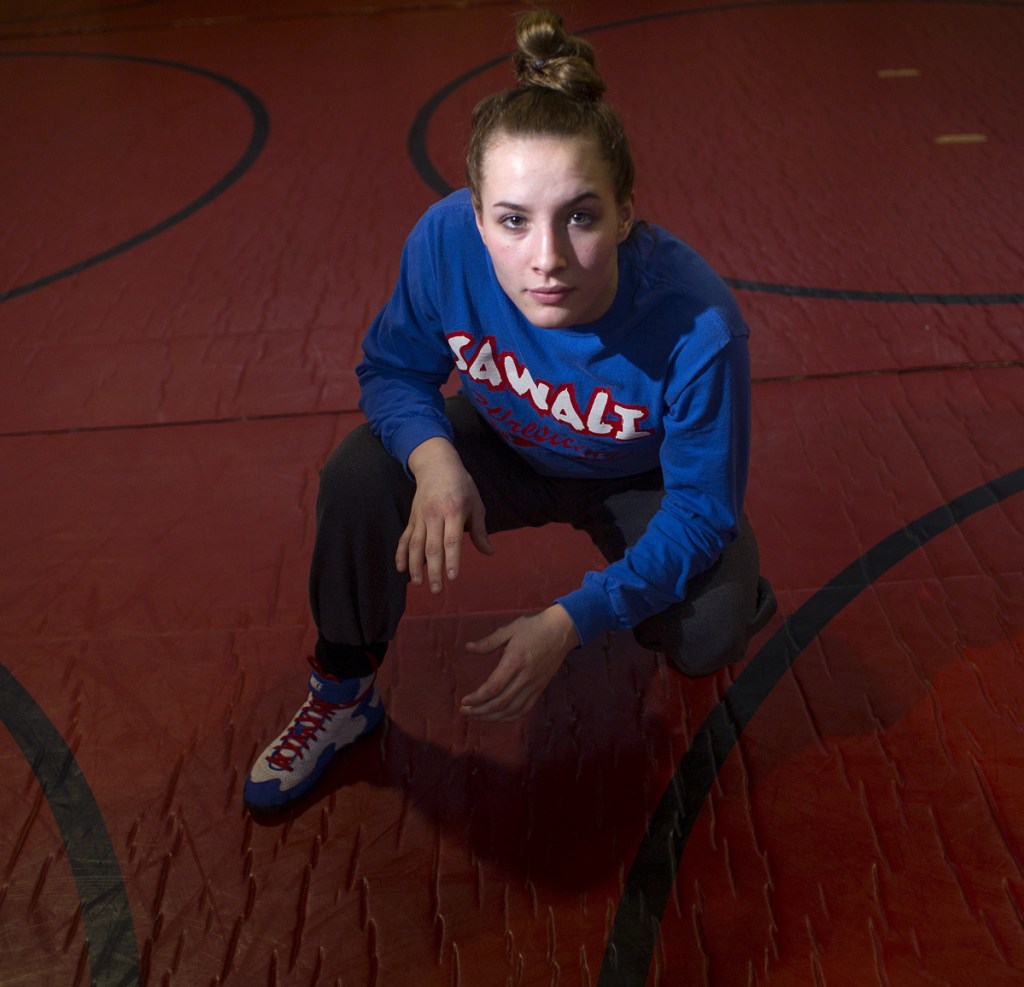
{"points": [[661, 379]]}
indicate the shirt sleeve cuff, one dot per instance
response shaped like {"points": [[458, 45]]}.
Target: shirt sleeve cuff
{"points": [[414, 433], [590, 612]]}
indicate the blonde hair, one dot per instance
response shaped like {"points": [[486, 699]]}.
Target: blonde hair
{"points": [[559, 94]]}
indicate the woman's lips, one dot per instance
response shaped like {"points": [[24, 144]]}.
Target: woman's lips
{"points": [[550, 295]]}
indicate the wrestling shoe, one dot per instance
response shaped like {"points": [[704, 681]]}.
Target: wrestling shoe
{"points": [[336, 713]]}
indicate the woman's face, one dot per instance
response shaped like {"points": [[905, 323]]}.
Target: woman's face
{"points": [[551, 225]]}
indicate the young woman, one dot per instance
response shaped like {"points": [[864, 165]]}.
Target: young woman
{"points": [[605, 383]]}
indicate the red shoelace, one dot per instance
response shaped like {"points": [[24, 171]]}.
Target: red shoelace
{"points": [[312, 718]]}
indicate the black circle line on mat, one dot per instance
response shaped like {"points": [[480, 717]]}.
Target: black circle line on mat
{"points": [[634, 933], [416, 145], [258, 140], [106, 913], [630, 948]]}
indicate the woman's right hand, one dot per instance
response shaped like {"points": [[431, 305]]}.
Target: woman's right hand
{"points": [[446, 504]]}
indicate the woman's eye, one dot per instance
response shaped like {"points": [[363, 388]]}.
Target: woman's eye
{"points": [[580, 218], [513, 222]]}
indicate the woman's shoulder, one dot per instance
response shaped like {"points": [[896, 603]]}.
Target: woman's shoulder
{"points": [[664, 255], [446, 231], [679, 297], [668, 266], [452, 213]]}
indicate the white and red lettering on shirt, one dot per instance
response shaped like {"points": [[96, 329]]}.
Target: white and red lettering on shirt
{"points": [[502, 371]]}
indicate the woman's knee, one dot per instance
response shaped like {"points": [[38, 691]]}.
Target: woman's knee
{"points": [[360, 471], [701, 640], [694, 647]]}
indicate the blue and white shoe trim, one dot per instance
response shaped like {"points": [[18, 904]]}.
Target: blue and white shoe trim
{"points": [[336, 713]]}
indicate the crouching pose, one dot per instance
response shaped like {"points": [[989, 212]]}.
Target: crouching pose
{"points": [[605, 384]]}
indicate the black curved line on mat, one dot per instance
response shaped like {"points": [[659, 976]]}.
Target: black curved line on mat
{"points": [[258, 140], [634, 933], [853, 295], [416, 145], [416, 142], [106, 914]]}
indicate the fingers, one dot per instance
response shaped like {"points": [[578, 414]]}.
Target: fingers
{"points": [[425, 547], [478, 533], [402, 553], [445, 504], [494, 694], [532, 649], [435, 547], [443, 560], [492, 642], [502, 697], [434, 544], [514, 686]]}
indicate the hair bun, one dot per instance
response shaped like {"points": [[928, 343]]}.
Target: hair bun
{"points": [[551, 58]]}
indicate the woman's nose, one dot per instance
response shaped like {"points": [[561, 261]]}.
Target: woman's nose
{"points": [[550, 251]]}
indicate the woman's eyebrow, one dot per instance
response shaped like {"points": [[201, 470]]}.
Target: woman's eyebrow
{"points": [[575, 201]]}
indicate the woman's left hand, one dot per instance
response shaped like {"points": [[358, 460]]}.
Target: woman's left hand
{"points": [[533, 648]]}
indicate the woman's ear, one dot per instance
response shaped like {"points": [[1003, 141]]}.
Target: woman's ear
{"points": [[626, 216], [477, 212]]}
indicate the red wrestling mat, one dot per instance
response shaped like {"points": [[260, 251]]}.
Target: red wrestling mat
{"points": [[202, 210]]}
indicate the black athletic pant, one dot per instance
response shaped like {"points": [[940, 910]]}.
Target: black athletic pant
{"points": [[365, 497]]}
